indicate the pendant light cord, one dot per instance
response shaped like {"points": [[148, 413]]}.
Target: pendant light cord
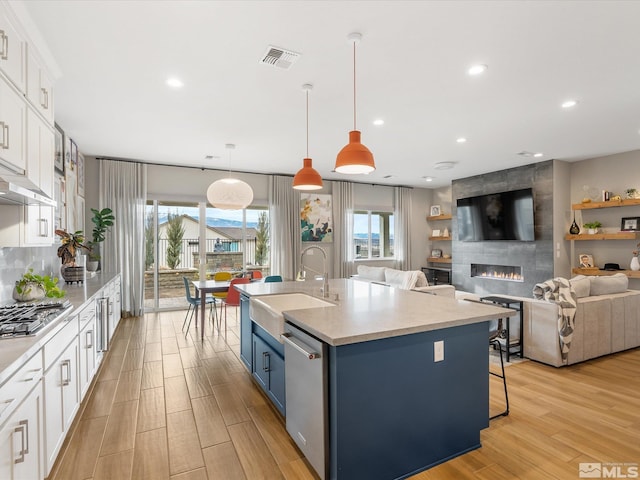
{"points": [[354, 85], [307, 123]]}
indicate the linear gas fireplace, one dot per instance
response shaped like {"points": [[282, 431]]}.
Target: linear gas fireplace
{"points": [[497, 272]]}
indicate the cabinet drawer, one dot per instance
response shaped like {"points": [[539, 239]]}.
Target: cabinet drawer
{"points": [[63, 338], [14, 390], [87, 314]]}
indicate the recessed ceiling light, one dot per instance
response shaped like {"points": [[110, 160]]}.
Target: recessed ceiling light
{"points": [[537, 155], [569, 103], [428, 179], [461, 140], [378, 122], [175, 82], [477, 69], [444, 165]]}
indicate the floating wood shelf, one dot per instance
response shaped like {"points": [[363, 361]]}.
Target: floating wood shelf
{"points": [[448, 239], [604, 236], [599, 273], [444, 216], [438, 260], [612, 203]]}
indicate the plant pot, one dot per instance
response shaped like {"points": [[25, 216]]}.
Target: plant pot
{"points": [[592, 231], [93, 265], [30, 293], [72, 274]]}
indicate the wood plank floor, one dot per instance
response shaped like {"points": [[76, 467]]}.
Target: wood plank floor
{"points": [[166, 406]]}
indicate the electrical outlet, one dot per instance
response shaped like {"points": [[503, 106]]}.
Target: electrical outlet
{"points": [[438, 351]]}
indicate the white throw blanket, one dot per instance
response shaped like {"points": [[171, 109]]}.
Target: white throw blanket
{"points": [[559, 291]]}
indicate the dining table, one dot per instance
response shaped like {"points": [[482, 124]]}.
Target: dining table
{"points": [[203, 287]]}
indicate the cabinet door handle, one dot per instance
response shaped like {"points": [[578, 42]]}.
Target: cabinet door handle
{"points": [[266, 362], [67, 364], [89, 339], [45, 98], [5, 136], [23, 430], [4, 53], [34, 375]]}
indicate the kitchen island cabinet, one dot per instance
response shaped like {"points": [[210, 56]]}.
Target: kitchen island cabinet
{"points": [[394, 408]]}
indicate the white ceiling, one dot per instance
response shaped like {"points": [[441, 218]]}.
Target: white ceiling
{"points": [[115, 57]]}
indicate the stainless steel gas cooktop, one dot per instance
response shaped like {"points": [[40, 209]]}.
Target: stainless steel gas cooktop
{"points": [[24, 319]]}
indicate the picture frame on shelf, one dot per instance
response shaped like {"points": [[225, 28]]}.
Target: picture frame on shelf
{"points": [[436, 253], [435, 233], [58, 161], [585, 260], [630, 224], [435, 211]]}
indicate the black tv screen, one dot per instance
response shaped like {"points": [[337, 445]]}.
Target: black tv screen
{"points": [[496, 216]]}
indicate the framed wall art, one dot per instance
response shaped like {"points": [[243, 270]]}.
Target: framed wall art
{"points": [[315, 218], [435, 211], [586, 260], [80, 171], [58, 161]]}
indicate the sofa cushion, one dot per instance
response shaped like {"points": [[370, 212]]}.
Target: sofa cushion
{"points": [[607, 285], [375, 274], [581, 284], [395, 277]]}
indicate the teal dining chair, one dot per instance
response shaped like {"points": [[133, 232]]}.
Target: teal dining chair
{"points": [[272, 278]]}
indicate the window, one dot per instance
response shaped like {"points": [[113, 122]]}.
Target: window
{"points": [[372, 234]]}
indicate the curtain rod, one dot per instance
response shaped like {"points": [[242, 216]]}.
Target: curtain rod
{"points": [[127, 160]]}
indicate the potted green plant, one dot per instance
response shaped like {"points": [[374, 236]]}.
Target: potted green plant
{"points": [[102, 221], [592, 227], [35, 287], [72, 244]]}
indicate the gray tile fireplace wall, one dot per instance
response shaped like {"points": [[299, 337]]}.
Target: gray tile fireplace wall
{"points": [[16, 261], [535, 258]]}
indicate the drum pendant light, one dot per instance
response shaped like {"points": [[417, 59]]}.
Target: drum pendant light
{"points": [[229, 193], [354, 157], [307, 177]]}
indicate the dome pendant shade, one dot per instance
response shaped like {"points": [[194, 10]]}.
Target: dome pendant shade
{"points": [[354, 158], [229, 194], [307, 177]]}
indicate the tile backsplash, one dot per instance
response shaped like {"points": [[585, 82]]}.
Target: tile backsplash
{"points": [[16, 261]]}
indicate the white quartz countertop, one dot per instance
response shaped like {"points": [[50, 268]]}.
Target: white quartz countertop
{"points": [[15, 351], [366, 311]]}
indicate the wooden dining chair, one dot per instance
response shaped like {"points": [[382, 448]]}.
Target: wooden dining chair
{"points": [[232, 299]]}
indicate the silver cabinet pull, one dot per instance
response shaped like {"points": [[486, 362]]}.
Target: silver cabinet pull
{"points": [[45, 98], [89, 339], [5, 136], [34, 375], [266, 362], [67, 364], [4, 53], [23, 430]]}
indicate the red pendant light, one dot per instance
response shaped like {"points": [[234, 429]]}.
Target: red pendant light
{"points": [[354, 158], [307, 177]]}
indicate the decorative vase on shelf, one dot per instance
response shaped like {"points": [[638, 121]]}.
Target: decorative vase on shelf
{"points": [[635, 264], [574, 229]]}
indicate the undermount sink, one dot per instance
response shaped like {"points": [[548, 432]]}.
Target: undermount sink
{"points": [[267, 310]]}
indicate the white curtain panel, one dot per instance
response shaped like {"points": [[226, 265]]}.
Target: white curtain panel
{"points": [[402, 231], [123, 189], [343, 264], [284, 213]]}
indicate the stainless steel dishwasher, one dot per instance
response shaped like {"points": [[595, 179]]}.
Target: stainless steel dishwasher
{"points": [[306, 395]]}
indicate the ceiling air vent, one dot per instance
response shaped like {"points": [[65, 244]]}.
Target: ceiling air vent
{"points": [[279, 57]]}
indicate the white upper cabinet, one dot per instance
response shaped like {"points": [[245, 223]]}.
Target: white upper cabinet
{"points": [[39, 86], [13, 50], [13, 125]]}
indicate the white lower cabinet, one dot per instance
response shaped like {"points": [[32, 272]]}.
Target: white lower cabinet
{"points": [[62, 400], [87, 361], [21, 440]]}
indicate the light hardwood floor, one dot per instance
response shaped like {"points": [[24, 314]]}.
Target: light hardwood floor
{"points": [[169, 406]]}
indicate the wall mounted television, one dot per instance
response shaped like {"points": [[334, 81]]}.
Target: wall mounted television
{"points": [[497, 216]]}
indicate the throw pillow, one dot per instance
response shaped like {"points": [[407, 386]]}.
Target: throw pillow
{"points": [[395, 277], [375, 274], [607, 285], [581, 284]]}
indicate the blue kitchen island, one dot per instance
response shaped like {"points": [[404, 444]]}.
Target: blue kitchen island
{"points": [[391, 409]]}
